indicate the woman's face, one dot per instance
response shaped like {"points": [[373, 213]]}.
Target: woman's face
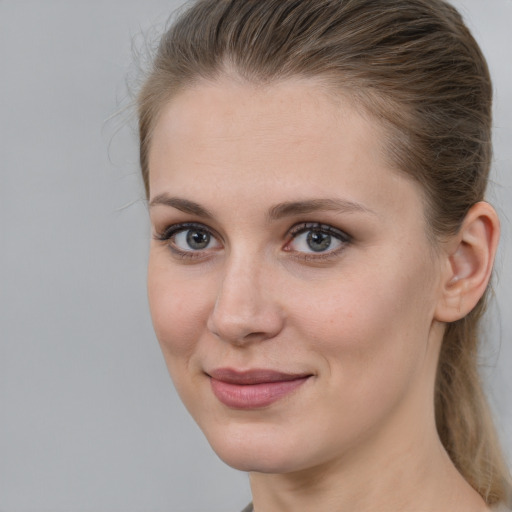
{"points": [[292, 285]]}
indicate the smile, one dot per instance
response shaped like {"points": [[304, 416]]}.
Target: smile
{"points": [[253, 389]]}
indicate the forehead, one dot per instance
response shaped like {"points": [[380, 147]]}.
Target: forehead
{"points": [[295, 135], [261, 105]]}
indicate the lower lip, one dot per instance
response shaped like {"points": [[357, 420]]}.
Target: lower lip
{"points": [[253, 396]]}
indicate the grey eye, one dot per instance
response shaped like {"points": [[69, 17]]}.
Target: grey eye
{"points": [[197, 239], [315, 241], [194, 239], [318, 241], [315, 238]]}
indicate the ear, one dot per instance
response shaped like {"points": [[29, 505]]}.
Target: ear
{"points": [[468, 258]]}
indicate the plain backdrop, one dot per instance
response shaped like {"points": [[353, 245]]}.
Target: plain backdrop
{"points": [[89, 420]]}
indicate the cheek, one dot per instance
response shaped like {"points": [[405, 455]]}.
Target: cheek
{"points": [[375, 322], [178, 310], [372, 335]]}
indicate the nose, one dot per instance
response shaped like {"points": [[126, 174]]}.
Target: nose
{"points": [[246, 309]]}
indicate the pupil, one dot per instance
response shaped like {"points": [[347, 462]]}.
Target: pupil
{"points": [[318, 241], [198, 239]]}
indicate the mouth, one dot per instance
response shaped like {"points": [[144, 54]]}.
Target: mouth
{"points": [[253, 389]]}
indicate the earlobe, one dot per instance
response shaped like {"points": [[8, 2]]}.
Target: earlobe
{"points": [[469, 259]]}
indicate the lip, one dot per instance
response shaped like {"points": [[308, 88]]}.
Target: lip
{"points": [[253, 389]]}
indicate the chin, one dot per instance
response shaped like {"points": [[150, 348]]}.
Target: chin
{"points": [[257, 448], [260, 461]]}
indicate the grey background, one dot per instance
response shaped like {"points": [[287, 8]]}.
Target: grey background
{"points": [[89, 420]]}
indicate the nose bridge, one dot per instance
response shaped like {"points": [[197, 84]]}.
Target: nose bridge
{"points": [[246, 308]]}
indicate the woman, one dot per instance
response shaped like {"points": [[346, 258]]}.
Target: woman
{"points": [[321, 252]]}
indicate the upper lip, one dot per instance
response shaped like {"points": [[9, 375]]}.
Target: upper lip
{"points": [[253, 376]]}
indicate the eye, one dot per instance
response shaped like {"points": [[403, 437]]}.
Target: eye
{"points": [[187, 239], [314, 238], [193, 239]]}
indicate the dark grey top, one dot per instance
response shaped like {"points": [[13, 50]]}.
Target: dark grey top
{"points": [[501, 508]]}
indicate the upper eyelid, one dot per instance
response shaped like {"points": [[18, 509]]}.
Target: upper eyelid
{"points": [[303, 227], [166, 236], [173, 229], [293, 231]]}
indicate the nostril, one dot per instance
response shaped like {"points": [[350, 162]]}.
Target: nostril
{"points": [[258, 336], [245, 329]]}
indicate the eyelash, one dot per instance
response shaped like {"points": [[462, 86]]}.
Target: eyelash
{"points": [[342, 237], [172, 231]]}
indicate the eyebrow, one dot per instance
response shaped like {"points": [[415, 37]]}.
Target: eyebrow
{"points": [[279, 211], [183, 205], [289, 209]]}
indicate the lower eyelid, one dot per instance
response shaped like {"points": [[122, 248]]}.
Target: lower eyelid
{"points": [[191, 255], [318, 258]]}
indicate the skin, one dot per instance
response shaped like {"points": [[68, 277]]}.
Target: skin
{"points": [[364, 317]]}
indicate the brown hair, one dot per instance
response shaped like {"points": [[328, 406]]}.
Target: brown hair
{"points": [[412, 64]]}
